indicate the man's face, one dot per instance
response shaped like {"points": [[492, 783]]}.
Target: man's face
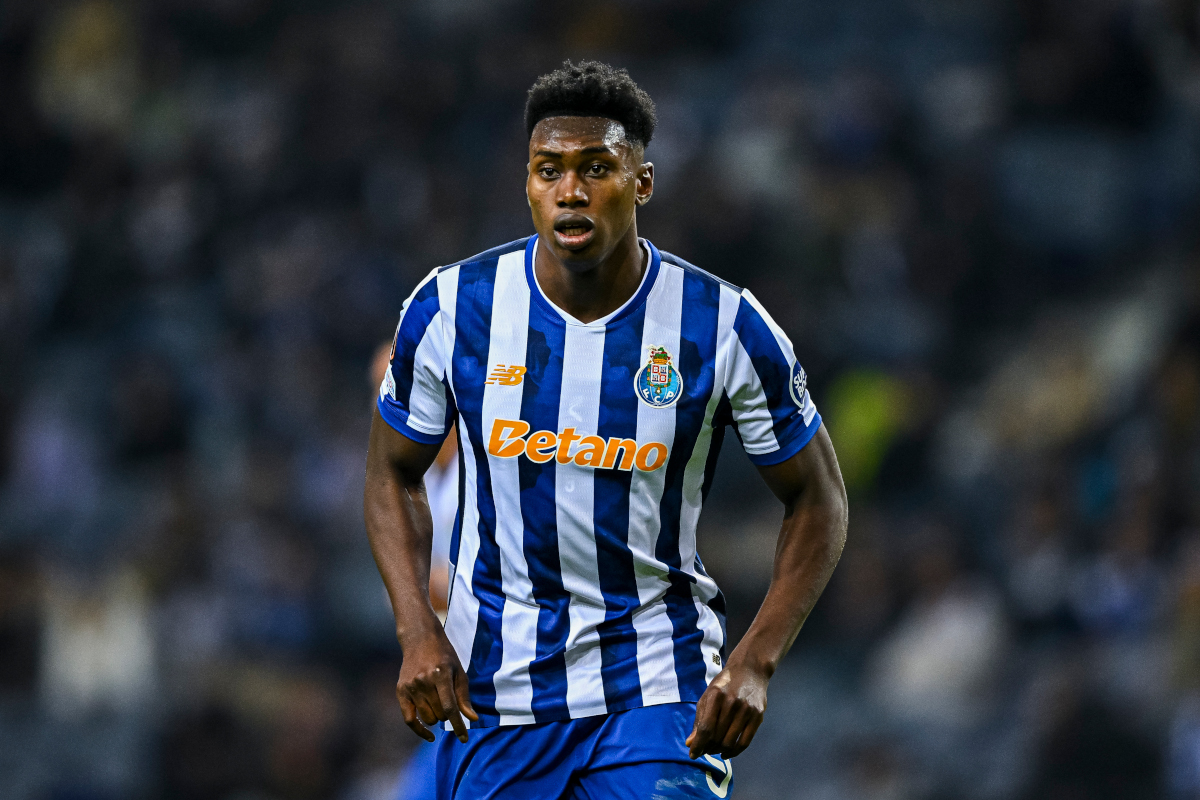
{"points": [[585, 180]]}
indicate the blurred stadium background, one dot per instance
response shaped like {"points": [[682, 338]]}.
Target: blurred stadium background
{"points": [[977, 220]]}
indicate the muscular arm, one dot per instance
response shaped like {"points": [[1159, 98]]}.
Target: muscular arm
{"points": [[432, 686], [809, 484]]}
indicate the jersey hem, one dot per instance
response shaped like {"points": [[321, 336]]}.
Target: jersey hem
{"points": [[513, 720]]}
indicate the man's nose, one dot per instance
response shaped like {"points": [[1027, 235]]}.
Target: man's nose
{"points": [[571, 192]]}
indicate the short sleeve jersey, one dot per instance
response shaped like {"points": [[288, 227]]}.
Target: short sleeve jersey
{"points": [[587, 450]]}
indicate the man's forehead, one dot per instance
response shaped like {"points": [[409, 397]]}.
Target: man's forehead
{"points": [[571, 132]]}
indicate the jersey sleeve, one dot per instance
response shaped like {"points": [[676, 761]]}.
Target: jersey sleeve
{"points": [[415, 397], [767, 388]]}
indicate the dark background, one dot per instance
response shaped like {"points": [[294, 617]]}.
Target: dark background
{"points": [[976, 219]]}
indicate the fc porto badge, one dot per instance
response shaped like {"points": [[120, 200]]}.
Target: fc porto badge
{"points": [[799, 384], [658, 384]]}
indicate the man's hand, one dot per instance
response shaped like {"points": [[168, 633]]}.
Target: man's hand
{"points": [[729, 712], [433, 687]]}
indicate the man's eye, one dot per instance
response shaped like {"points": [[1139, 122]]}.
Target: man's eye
{"points": [[547, 172], [597, 169]]}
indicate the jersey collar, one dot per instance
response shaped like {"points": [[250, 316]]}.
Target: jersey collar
{"points": [[625, 310]]}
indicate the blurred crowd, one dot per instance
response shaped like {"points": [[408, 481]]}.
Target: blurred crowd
{"points": [[977, 221]]}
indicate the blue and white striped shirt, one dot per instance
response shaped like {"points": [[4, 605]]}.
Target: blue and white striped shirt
{"points": [[587, 451]]}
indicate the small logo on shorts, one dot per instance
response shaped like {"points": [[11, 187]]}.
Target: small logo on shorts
{"points": [[658, 384], [717, 659], [726, 774]]}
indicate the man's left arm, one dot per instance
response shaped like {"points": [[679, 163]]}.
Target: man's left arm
{"points": [[809, 484]]}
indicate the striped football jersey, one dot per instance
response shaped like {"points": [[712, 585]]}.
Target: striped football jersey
{"points": [[586, 453]]}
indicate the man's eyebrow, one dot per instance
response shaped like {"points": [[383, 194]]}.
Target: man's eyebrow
{"points": [[599, 148]]}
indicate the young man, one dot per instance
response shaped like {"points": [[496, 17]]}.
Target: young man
{"points": [[591, 378]]}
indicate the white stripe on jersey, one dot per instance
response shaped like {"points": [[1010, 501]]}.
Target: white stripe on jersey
{"points": [[655, 645], [427, 403], [462, 616], [579, 407], [510, 329], [448, 302]]}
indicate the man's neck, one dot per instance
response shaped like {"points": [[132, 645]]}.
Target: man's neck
{"points": [[592, 295]]}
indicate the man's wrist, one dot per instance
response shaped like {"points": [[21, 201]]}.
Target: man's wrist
{"points": [[412, 631], [750, 658]]}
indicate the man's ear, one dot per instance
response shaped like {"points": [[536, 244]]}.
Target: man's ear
{"points": [[645, 184]]}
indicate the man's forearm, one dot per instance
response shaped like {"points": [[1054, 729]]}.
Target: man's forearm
{"points": [[432, 686], [810, 543], [809, 484], [400, 529]]}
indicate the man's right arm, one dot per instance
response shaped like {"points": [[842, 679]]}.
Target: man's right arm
{"points": [[433, 685]]}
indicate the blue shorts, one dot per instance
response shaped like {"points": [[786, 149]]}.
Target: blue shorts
{"points": [[635, 753]]}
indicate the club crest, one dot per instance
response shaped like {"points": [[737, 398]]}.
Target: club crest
{"points": [[658, 384]]}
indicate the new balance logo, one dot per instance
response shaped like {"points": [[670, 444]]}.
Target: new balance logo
{"points": [[506, 375]]}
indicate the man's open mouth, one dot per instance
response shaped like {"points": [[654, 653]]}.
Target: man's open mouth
{"points": [[573, 230]]}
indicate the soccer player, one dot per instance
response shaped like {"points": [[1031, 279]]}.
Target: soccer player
{"points": [[591, 378]]}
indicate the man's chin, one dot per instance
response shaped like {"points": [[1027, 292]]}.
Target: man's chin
{"points": [[578, 259]]}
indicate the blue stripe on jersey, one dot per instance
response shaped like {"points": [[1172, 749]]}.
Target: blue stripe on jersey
{"points": [[774, 373], [697, 365], [722, 419], [474, 319], [456, 531], [539, 407], [456, 534], [614, 560], [671, 258]]}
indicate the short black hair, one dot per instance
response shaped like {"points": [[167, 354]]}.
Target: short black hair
{"points": [[592, 89]]}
